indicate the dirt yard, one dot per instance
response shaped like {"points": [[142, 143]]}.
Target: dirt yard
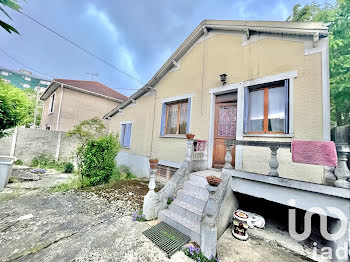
{"points": [[90, 225]]}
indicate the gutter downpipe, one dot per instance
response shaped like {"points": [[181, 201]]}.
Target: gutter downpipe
{"points": [[59, 109]]}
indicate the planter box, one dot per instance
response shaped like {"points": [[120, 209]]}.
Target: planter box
{"points": [[6, 163]]}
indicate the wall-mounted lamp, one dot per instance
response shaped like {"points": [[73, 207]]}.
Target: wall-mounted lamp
{"points": [[223, 79]]}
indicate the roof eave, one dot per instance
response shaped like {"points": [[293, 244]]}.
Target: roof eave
{"points": [[219, 25]]}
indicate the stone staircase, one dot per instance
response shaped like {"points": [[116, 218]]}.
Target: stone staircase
{"points": [[185, 212]]}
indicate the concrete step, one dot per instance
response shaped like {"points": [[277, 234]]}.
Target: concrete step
{"points": [[192, 186], [192, 198], [199, 180], [186, 210], [187, 227]]}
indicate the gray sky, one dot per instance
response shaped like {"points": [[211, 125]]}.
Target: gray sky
{"points": [[136, 36]]}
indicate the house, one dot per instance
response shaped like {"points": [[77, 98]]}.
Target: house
{"points": [[245, 89], [276, 89], [24, 79], [68, 102]]}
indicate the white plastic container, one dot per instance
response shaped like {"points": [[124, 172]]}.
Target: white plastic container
{"points": [[6, 163]]}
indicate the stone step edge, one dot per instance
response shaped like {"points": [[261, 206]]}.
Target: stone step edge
{"points": [[186, 205], [180, 220], [194, 195]]}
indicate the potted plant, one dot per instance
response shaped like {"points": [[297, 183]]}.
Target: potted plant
{"points": [[153, 162], [190, 136], [213, 180]]}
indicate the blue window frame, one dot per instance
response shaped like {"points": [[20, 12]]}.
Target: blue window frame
{"points": [[125, 135]]}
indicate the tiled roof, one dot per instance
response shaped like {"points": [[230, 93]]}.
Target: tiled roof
{"points": [[93, 86]]}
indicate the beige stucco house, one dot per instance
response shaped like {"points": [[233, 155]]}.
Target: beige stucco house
{"points": [[68, 102], [276, 89]]}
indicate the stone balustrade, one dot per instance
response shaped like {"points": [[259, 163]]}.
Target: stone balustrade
{"points": [[334, 176]]}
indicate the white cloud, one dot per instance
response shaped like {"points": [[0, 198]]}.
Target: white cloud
{"points": [[123, 56]]}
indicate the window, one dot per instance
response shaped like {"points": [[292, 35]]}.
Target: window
{"points": [[175, 117], [52, 103], [4, 73], [25, 85], [266, 108], [27, 78], [44, 82], [7, 81], [125, 134]]}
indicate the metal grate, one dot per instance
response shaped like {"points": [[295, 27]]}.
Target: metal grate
{"points": [[167, 238]]}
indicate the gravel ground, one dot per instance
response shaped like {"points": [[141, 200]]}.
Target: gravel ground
{"points": [[95, 225]]}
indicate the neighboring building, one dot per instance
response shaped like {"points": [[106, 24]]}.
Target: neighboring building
{"points": [[68, 102], [277, 89], [23, 79]]}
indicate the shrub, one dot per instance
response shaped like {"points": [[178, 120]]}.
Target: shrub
{"points": [[125, 172], [170, 200], [68, 167], [48, 162], [14, 107], [98, 159], [18, 162]]}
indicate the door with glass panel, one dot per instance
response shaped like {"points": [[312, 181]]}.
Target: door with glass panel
{"points": [[225, 128]]}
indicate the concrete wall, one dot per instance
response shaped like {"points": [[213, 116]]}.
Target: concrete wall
{"points": [[30, 143], [76, 107], [199, 71]]}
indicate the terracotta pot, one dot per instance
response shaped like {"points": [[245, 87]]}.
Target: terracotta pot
{"points": [[213, 180], [153, 163], [190, 136]]}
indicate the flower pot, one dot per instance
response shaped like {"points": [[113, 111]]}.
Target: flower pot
{"points": [[190, 136], [6, 163], [153, 163], [240, 225], [213, 180]]}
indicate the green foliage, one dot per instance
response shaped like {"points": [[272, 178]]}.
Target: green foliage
{"points": [[33, 97], [13, 5], [18, 162], [48, 162], [68, 167], [87, 130], [339, 52], [197, 255], [73, 184], [14, 106], [98, 159]]}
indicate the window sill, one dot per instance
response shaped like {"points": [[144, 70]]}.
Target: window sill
{"points": [[174, 136], [269, 135], [50, 113], [125, 147]]}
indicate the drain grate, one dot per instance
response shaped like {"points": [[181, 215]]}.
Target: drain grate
{"points": [[167, 238]]}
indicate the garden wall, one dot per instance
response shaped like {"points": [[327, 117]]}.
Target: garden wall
{"points": [[27, 143]]}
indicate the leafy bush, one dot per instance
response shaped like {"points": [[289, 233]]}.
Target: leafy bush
{"points": [[98, 159], [125, 172], [68, 167], [170, 200], [48, 162], [14, 106], [18, 162], [197, 255]]}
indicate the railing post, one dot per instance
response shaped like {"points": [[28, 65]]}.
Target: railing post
{"points": [[189, 150], [328, 176], [342, 171], [149, 201], [273, 161], [228, 155], [208, 227]]}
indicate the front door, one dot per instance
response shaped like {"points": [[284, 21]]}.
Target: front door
{"points": [[225, 128]]}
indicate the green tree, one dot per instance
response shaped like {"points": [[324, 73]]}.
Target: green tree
{"points": [[33, 96], [14, 106], [13, 5], [87, 130], [339, 52]]}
